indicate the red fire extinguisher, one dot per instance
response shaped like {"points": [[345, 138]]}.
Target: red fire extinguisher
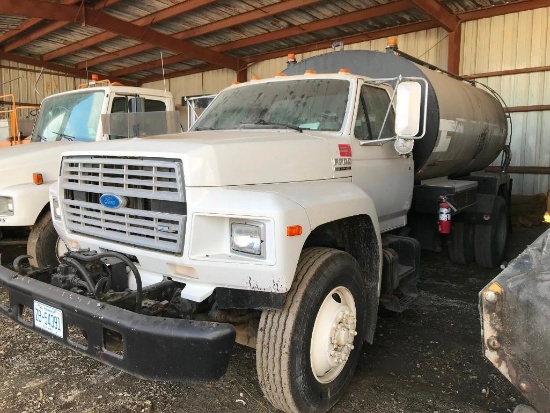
{"points": [[444, 215]]}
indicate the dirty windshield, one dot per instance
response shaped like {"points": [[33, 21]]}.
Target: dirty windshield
{"points": [[72, 117], [315, 104]]}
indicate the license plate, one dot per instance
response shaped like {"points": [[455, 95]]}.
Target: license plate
{"points": [[48, 318]]}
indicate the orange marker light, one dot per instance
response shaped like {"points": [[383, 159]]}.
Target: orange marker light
{"points": [[392, 41], [235, 82], [37, 178], [280, 74], [294, 230], [95, 77], [310, 72], [344, 71]]}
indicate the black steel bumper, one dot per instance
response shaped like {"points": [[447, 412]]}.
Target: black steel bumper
{"points": [[154, 348]]}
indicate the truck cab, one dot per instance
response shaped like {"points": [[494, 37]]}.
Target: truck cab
{"points": [[26, 171]]}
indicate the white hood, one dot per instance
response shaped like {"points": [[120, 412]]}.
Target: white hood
{"points": [[18, 163], [223, 158]]}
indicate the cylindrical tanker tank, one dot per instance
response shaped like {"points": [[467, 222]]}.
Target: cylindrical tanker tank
{"points": [[466, 127]]}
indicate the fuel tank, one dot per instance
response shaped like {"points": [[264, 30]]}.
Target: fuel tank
{"points": [[466, 126]]}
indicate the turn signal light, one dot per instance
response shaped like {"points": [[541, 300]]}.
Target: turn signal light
{"points": [[294, 230], [37, 178]]}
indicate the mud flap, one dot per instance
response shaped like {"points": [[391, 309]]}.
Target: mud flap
{"points": [[515, 309]]}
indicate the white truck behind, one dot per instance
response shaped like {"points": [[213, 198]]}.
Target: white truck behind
{"points": [[26, 171], [291, 210]]}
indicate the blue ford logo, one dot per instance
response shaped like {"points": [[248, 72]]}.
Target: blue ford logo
{"points": [[112, 201]]}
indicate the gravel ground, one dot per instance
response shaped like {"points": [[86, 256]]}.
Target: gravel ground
{"points": [[427, 359]]}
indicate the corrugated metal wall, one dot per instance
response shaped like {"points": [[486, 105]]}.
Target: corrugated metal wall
{"points": [[30, 86], [516, 41]]}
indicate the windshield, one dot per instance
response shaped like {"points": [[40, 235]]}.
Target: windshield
{"points": [[73, 117], [317, 104]]}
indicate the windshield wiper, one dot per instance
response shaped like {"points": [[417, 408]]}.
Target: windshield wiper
{"points": [[64, 136], [283, 125]]}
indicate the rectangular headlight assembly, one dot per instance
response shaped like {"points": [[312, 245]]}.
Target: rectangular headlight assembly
{"points": [[248, 238], [6, 205]]}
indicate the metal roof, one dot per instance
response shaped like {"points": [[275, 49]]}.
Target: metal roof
{"points": [[125, 39]]}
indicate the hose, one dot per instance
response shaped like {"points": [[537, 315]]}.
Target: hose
{"points": [[83, 272], [122, 258]]}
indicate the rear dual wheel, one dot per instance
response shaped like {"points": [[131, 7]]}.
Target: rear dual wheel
{"points": [[483, 243], [307, 352], [461, 246], [491, 239]]}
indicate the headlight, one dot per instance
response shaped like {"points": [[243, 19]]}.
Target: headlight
{"points": [[6, 205], [56, 208], [247, 238]]}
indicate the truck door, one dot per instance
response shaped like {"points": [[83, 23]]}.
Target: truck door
{"points": [[377, 168]]}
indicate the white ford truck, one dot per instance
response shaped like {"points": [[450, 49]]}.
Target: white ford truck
{"points": [[293, 208], [26, 171]]}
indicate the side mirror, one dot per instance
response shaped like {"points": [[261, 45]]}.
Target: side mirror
{"points": [[408, 103]]}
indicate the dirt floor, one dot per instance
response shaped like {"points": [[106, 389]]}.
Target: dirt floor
{"points": [[427, 359]]}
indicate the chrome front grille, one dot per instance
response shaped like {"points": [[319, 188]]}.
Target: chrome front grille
{"points": [[153, 214]]}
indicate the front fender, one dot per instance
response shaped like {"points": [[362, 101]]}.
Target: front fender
{"points": [[328, 201], [28, 199]]}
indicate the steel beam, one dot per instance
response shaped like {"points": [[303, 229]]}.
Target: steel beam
{"points": [[493, 11], [347, 18], [455, 40], [204, 29], [53, 11], [157, 17], [50, 28], [59, 68], [436, 11], [376, 34]]}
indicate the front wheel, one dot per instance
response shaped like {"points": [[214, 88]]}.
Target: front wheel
{"points": [[44, 245], [307, 352]]}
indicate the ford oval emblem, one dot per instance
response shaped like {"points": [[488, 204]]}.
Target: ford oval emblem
{"points": [[112, 201]]}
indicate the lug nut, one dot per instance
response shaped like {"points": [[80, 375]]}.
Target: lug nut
{"points": [[524, 387], [491, 296], [493, 343]]}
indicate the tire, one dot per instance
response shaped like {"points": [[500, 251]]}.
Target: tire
{"points": [[461, 247], [44, 245], [491, 239], [297, 366]]}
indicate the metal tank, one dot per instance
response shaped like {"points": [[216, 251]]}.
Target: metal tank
{"points": [[466, 126]]}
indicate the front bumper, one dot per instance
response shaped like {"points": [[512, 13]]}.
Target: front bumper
{"points": [[154, 348]]}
